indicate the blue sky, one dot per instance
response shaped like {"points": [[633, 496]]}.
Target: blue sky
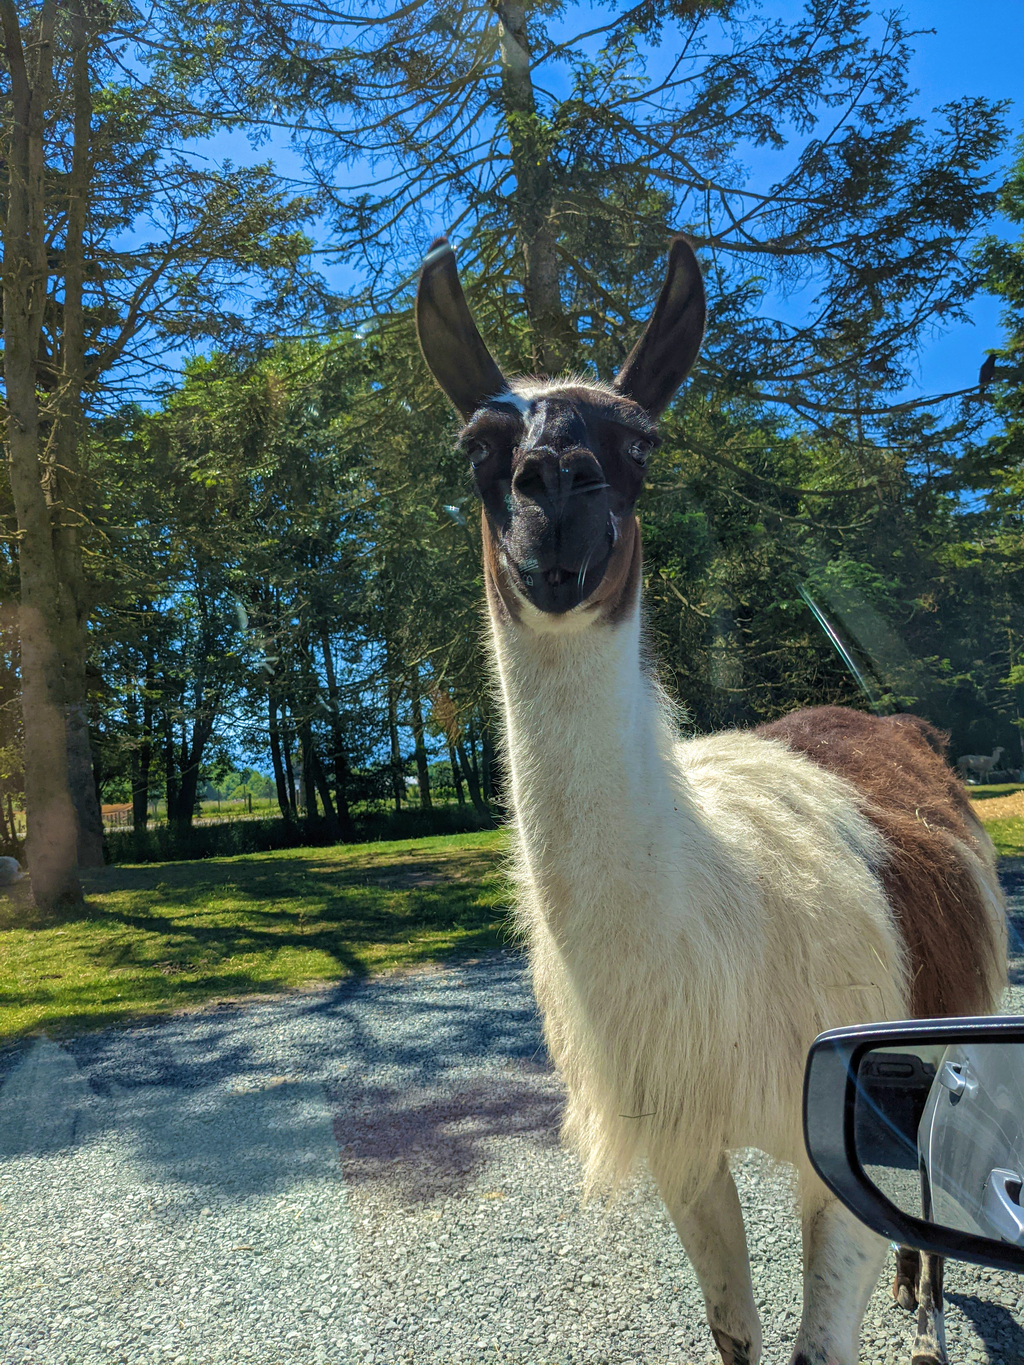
{"points": [[972, 51], [975, 50]]}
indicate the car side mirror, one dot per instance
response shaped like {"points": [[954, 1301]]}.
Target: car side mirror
{"points": [[918, 1127]]}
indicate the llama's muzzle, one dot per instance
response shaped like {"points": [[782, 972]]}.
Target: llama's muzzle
{"points": [[560, 534]]}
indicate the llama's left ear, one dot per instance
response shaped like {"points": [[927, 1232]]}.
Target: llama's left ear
{"points": [[452, 347], [661, 359]]}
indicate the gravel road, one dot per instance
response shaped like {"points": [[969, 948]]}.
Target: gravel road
{"points": [[368, 1173]]}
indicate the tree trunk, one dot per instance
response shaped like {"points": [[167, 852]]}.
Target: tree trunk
{"points": [[81, 779], [308, 777], [487, 764], [289, 771], [64, 473], [471, 737], [192, 761], [533, 200], [280, 782], [493, 767], [479, 803], [131, 710], [397, 777], [339, 758], [52, 835], [422, 775], [170, 768], [456, 777], [320, 778], [10, 833], [140, 794], [141, 768]]}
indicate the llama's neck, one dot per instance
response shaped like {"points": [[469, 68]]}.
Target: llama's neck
{"points": [[595, 790]]}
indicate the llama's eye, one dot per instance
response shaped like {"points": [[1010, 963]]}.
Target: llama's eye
{"points": [[639, 451], [477, 452]]}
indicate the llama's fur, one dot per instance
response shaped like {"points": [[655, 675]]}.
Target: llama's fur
{"points": [[696, 910]]}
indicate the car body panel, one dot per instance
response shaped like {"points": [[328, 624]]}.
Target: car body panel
{"points": [[972, 1128]]}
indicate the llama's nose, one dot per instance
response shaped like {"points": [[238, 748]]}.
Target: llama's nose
{"points": [[552, 479]]}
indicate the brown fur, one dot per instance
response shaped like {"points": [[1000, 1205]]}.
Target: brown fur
{"points": [[617, 593], [917, 802], [502, 599]]}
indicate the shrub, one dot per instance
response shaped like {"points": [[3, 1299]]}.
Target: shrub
{"points": [[164, 843]]}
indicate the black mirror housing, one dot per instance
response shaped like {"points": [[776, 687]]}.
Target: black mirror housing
{"points": [[832, 1086]]}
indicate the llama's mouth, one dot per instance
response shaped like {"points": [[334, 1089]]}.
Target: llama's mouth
{"points": [[559, 589]]}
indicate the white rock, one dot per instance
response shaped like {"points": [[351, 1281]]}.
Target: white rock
{"points": [[10, 871]]}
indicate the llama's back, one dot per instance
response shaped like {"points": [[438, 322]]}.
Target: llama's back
{"points": [[827, 948], [939, 871]]}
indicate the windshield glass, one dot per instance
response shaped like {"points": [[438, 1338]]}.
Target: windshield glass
{"points": [[342, 935]]}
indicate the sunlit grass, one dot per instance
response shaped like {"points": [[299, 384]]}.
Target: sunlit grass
{"points": [[1000, 808], [1008, 836], [164, 936]]}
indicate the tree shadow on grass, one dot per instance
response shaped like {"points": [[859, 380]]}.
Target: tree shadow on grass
{"points": [[178, 935]]}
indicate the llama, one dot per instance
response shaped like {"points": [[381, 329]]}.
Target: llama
{"points": [[979, 764], [696, 911]]}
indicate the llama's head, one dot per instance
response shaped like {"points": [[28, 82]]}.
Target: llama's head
{"points": [[559, 463]]}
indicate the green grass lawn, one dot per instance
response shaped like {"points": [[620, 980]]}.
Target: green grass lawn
{"points": [[164, 936], [1006, 824], [1008, 837]]}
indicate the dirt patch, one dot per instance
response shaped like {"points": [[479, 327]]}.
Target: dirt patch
{"points": [[406, 881], [1009, 807]]}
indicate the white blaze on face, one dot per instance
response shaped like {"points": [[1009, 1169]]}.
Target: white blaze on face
{"points": [[512, 400], [535, 429]]}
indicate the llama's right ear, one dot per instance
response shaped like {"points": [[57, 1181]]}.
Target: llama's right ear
{"points": [[662, 358], [452, 347]]}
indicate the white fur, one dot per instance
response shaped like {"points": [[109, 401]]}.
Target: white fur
{"points": [[10, 871], [522, 392], [696, 911]]}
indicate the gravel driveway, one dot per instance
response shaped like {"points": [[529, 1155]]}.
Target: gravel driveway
{"points": [[369, 1173]]}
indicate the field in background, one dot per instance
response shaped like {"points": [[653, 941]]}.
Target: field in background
{"points": [[213, 811], [165, 936]]}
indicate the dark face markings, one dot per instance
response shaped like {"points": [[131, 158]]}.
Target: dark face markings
{"points": [[559, 477]]}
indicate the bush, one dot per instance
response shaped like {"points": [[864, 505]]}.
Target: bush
{"points": [[164, 844]]}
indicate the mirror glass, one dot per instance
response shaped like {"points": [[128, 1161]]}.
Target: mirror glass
{"points": [[939, 1130]]}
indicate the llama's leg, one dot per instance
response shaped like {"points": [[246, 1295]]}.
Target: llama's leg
{"points": [[842, 1261], [710, 1228], [930, 1345], [908, 1268]]}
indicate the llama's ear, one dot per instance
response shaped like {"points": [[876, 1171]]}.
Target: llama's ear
{"points": [[452, 347], [661, 359]]}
